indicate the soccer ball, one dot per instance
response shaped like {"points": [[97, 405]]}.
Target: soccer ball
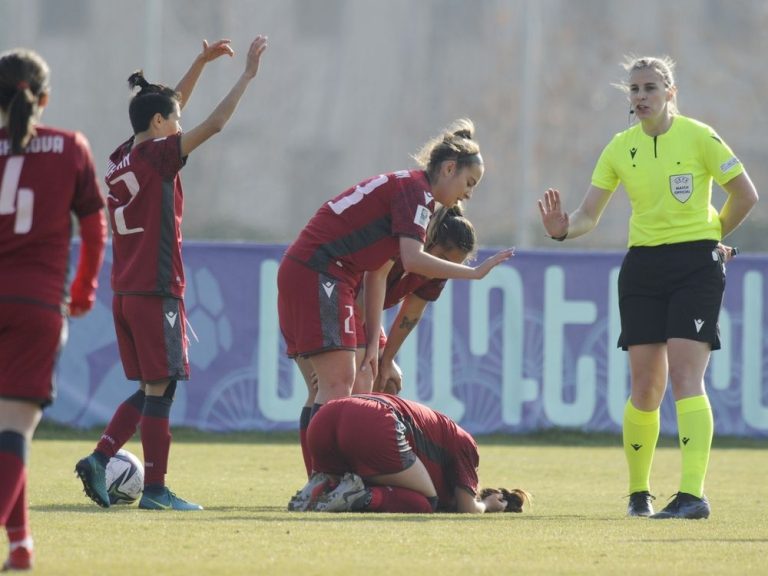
{"points": [[125, 478]]}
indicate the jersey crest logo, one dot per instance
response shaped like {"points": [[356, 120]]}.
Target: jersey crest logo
{"points": [[171, 317], [681, 186], [328, 287], [422, 216], [632, 152], [427, 197]]}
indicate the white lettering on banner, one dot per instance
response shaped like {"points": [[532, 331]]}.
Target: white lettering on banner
{"points": [[516, 390], [595, 357], [720, 372], [271, 404], [442, 399], [754, 411], [618, 381], [558, 312]]}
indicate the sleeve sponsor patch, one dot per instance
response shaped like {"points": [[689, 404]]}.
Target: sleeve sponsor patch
{"points": [[422, 216], [728, 165]]}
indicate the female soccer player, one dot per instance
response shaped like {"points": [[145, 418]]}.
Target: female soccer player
{"points": [[352, 239], [46, 176], [450, 236], [394, 455], [145, 205], [672, 279]]}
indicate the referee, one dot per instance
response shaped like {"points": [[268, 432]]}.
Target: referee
{"points": [[673, 276]]}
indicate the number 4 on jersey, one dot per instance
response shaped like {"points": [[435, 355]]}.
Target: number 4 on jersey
{"points": [[14, 199]]}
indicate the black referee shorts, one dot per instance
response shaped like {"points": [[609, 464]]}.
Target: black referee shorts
{"points": [[671, 291]]}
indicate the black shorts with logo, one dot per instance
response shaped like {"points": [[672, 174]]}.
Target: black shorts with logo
{"points": [[671, 291]]}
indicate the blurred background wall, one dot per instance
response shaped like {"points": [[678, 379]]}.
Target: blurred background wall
{"points": [[350, 88]]}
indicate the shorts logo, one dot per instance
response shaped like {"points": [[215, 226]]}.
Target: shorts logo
{"points": [[422, 216], [328, 287], [698, 323], [171, 317], [681, 186]]}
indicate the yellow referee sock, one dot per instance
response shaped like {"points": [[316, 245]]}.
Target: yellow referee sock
{"points": [[695, 427], [640, 432]]}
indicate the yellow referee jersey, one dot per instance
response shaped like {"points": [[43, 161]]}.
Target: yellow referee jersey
{"points": [[668, 180]]}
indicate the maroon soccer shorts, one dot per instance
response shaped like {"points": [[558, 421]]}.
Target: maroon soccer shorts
{"points": [[358, 435], [31, 337], [152, 337], [317, 312]]}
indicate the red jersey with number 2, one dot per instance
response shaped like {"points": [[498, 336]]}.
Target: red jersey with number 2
{"points": [[145, 204], [39, 192], [360, 229]]}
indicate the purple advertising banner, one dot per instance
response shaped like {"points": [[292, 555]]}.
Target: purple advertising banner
{"points": [[530, 347]]}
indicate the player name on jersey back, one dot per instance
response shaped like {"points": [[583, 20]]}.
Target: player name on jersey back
{"points": [[53, 143]]}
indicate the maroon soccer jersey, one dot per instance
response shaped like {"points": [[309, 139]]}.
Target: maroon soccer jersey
{"points": [[448, 451], [359, 229], [401, 283], [39, 191], [341, 439], [145, 204]]}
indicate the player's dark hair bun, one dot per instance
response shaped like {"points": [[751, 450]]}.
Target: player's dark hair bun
{"points": [[137, 79], [464, 133]]}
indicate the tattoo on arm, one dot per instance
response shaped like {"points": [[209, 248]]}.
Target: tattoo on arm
{"points": [[408, 323]]}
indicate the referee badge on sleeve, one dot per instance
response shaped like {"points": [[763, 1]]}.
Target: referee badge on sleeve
{"points": [[681, 186]]}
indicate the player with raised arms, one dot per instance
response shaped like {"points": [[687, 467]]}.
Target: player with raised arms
{"points": [[145, 204]]}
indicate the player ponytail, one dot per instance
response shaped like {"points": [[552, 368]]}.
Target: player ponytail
{"points": [[23, 80], [449, 229], [149, 100], [516, 499], [455, 143]]}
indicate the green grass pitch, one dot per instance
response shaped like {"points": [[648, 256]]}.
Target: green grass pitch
{"points": [[577, 524]]}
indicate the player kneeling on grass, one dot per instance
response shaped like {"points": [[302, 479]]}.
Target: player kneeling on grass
{"points": [[382, 453]]}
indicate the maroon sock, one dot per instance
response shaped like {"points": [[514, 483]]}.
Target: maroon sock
{"points": [[303, 425], [122, 426], [13, 472], [17, 525], [155, 439], [396, 499]]}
